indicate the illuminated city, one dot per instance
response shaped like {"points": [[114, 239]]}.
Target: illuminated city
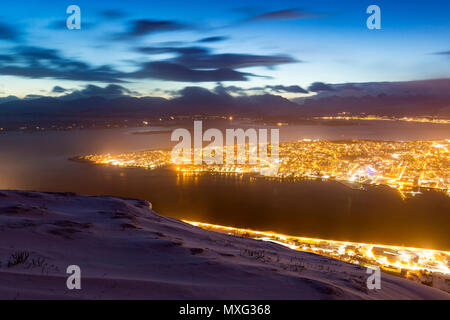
{"points": [[150, 159], [422, 265], [216, 152], [345, 116], [407, 167]]}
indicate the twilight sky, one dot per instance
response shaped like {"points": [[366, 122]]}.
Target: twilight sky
{"points": [[160, 47]]}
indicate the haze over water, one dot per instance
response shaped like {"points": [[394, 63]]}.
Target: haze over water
{"points": [[329, 210]]}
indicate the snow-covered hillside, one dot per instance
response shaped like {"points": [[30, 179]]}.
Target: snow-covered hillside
{"points": [[126, 251]]}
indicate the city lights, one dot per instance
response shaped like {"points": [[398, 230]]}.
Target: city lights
{"points": [[343, 116], [407, 167], [413, 263]]}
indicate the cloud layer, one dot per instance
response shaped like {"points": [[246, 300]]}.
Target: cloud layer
{"points": [[143, 27], [190, 64]]}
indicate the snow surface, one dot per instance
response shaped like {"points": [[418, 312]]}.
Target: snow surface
{"points": [[127, 251]]}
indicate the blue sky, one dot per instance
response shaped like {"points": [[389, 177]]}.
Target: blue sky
{"points": [[262, 44]]}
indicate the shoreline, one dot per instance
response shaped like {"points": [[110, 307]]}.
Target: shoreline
{"points": [[360, 186], [210, 264]]}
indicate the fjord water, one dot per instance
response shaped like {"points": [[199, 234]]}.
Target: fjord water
{"points": [[329, 210]]}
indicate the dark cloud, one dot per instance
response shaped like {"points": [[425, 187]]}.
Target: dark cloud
{"points": [[232, 60], [220, 89], [100, 74], [110, 91], [198, 95], [33, 96], [8, 32], [273, 88], [290, 89], [30, 54], [320, 86], [143, 27], [165, 70], [36, 62], [445, 53], [287, 14], [6, 58], [57, 25], [58, 89], [189, 64], [173, 43], [61, 24], [213, 39], [199, 64], [113, 14], [202, 58]]}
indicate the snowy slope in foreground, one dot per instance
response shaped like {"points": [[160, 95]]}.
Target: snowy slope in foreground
{"points": [[127, 251]]}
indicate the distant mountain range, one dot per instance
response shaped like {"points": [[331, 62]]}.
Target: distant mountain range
{"points": [[199, 101]]}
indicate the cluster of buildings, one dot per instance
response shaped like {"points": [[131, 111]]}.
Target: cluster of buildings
{"points": [[150, 159], [405, 166], [345, 116]]}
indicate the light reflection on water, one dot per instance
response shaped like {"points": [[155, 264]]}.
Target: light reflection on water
{"points": [[38, 161]]}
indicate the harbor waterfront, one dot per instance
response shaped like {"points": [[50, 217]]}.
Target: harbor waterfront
{"points": [[404, 166], [311, 207]]}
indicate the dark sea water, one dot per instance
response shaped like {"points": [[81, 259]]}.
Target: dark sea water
{"points": [[329, 210]]}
